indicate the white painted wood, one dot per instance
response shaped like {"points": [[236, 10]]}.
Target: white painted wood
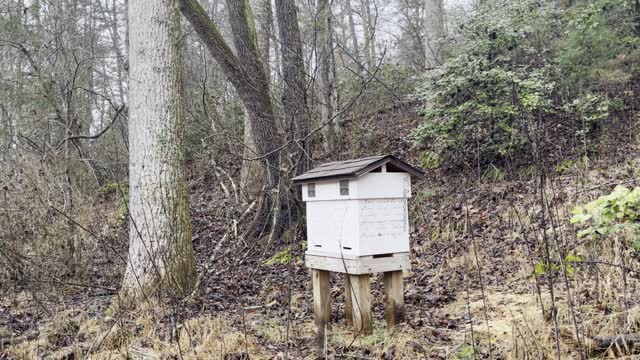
{"points": [[383, 185], [327, 190], [374, 185], [384, 226], [357, 227], [332, 227], [359, 265], [331, 254], [371, 220]]}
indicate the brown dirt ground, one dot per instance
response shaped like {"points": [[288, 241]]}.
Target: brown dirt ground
{"points": [[243, 304]]}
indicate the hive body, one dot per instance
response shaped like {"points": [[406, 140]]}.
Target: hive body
{"points": [[371, 220], [358, 225]]}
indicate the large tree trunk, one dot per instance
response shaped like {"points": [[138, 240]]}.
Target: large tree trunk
{"points": [[257, 96], [369, 26], [250, 172], [160, 250], [326, 63], [265, 32], [245, 72], [352, 32], [434, 32], [294, 98]]}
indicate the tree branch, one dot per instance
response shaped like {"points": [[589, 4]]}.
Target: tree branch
{"points": [[212, 38], [104, 130]]}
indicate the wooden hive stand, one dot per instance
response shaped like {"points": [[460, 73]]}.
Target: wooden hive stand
{"points": [[357, 290], [357, 218]]}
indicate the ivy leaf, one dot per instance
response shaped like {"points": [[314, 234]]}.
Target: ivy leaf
{"points": [[580, 218], [585, 232]]}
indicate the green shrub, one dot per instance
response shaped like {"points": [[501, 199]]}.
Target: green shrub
{"points": [[518, 67], [493, 173], [430, 160], [496, 80], [280, 258], [596, 33], [619, 211], [545, 268]]}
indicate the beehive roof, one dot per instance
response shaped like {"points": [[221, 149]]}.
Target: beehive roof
{"points": [[354, 168]]}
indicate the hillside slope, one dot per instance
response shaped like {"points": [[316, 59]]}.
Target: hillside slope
{"points": [[477, 245]]}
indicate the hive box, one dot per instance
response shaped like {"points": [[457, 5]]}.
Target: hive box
{"points": [[357, 215]]}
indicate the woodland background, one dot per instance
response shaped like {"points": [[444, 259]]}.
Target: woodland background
{"points": [[523, 114]]}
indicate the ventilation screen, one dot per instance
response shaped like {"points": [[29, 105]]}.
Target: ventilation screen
{"points": [[344, 187]]}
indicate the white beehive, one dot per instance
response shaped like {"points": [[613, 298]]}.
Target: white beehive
{"points": [[357, 216]]}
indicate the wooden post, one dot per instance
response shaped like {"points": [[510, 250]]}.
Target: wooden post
{"points": [[394, 297], [321, 303], [361, 302], [348, 305]]}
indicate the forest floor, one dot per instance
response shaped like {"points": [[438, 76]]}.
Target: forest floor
{"points": [[471, 291]]}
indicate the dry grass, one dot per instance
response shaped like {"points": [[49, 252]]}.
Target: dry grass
{"points": [[70, 333], [401, 343], [514, 325], [211, 338]]}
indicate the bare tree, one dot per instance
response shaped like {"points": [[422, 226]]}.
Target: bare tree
{"points": [[246, 72], [250, 172], [434, 32], [160, 249], [264, 17], [369, 26], [411, 50], [326, 81], [352, 31], [294, 98]]}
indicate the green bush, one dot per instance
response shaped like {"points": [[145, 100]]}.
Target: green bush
{"points": [[619, 211], [518, 67], [282, 257], [596, 33]]}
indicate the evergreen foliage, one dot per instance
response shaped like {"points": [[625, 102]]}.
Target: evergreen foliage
{"points": [[517, 66]]}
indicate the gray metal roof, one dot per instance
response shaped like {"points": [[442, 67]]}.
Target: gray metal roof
{"points": [[354, 168]]}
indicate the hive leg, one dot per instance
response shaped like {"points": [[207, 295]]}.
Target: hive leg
{"points": [[395, 298], [361, 302], [348, 305], [321, 303]]}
